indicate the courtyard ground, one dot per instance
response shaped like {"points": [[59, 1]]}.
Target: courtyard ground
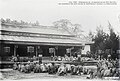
{"points": [[9, 74]]}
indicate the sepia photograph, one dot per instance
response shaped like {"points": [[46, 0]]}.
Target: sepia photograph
{"points": [[60, 40]]}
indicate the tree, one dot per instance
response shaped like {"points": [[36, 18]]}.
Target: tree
{"points": [[63, 23], [77, 29], [105, 42], [112, 41], [99, 39], [67, 25]]}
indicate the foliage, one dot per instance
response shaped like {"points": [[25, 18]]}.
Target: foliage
{"points": [[67, 25], [105, 43]]}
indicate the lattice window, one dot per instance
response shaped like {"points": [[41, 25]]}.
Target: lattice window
{"points": [[68, 50], [30, 49], [51, 50], [7, 49]]}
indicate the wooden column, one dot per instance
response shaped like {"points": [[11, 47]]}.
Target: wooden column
{"points": [[15, 46], [54, 52], [70, 52], [36, 50]]}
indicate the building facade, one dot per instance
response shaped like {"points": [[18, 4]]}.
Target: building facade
{"points": [[23, 39]]}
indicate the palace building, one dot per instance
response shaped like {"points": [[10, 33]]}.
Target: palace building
{"points": [[23, 39]]}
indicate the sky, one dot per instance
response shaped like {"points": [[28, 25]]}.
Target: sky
{"points": [[49, 11]]}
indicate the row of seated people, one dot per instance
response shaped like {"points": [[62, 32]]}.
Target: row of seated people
{"points": [[103, 69], [24, 59], [65, 58], [34, 58], [51, 68], [108, 68]]}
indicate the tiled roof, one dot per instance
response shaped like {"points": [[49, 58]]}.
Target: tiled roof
{"points": [[41, 40], [35, 29], [48, 30]]}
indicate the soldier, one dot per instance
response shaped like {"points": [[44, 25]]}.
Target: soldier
{"points": [[79, 58], [91, 74], [117, 73], [32, 65], [17, 58], [66, 58], [15, 66], [19, 66], [14, 59], [109, 57], [43, 68], [27, 68], [62, 70], [75, 70], [40, 58], [52, 69], [48, 65], [63, 58], [85, 71], [37, 68], [68, 68], [59, 58], [23, 69], [34, 58], [80, 69], [1, 76], [55, 58], [107, 72]]}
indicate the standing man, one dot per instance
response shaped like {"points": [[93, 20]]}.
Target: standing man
{"points": [[79, 58], [40, 58], [109, 57], [18, 58]]}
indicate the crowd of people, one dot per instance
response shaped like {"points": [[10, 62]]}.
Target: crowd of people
{"points": [[105, 68], [108, 68], [51, 68], [55, 58]]}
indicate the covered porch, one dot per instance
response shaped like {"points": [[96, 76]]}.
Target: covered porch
{"points": [[30, 49]]}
